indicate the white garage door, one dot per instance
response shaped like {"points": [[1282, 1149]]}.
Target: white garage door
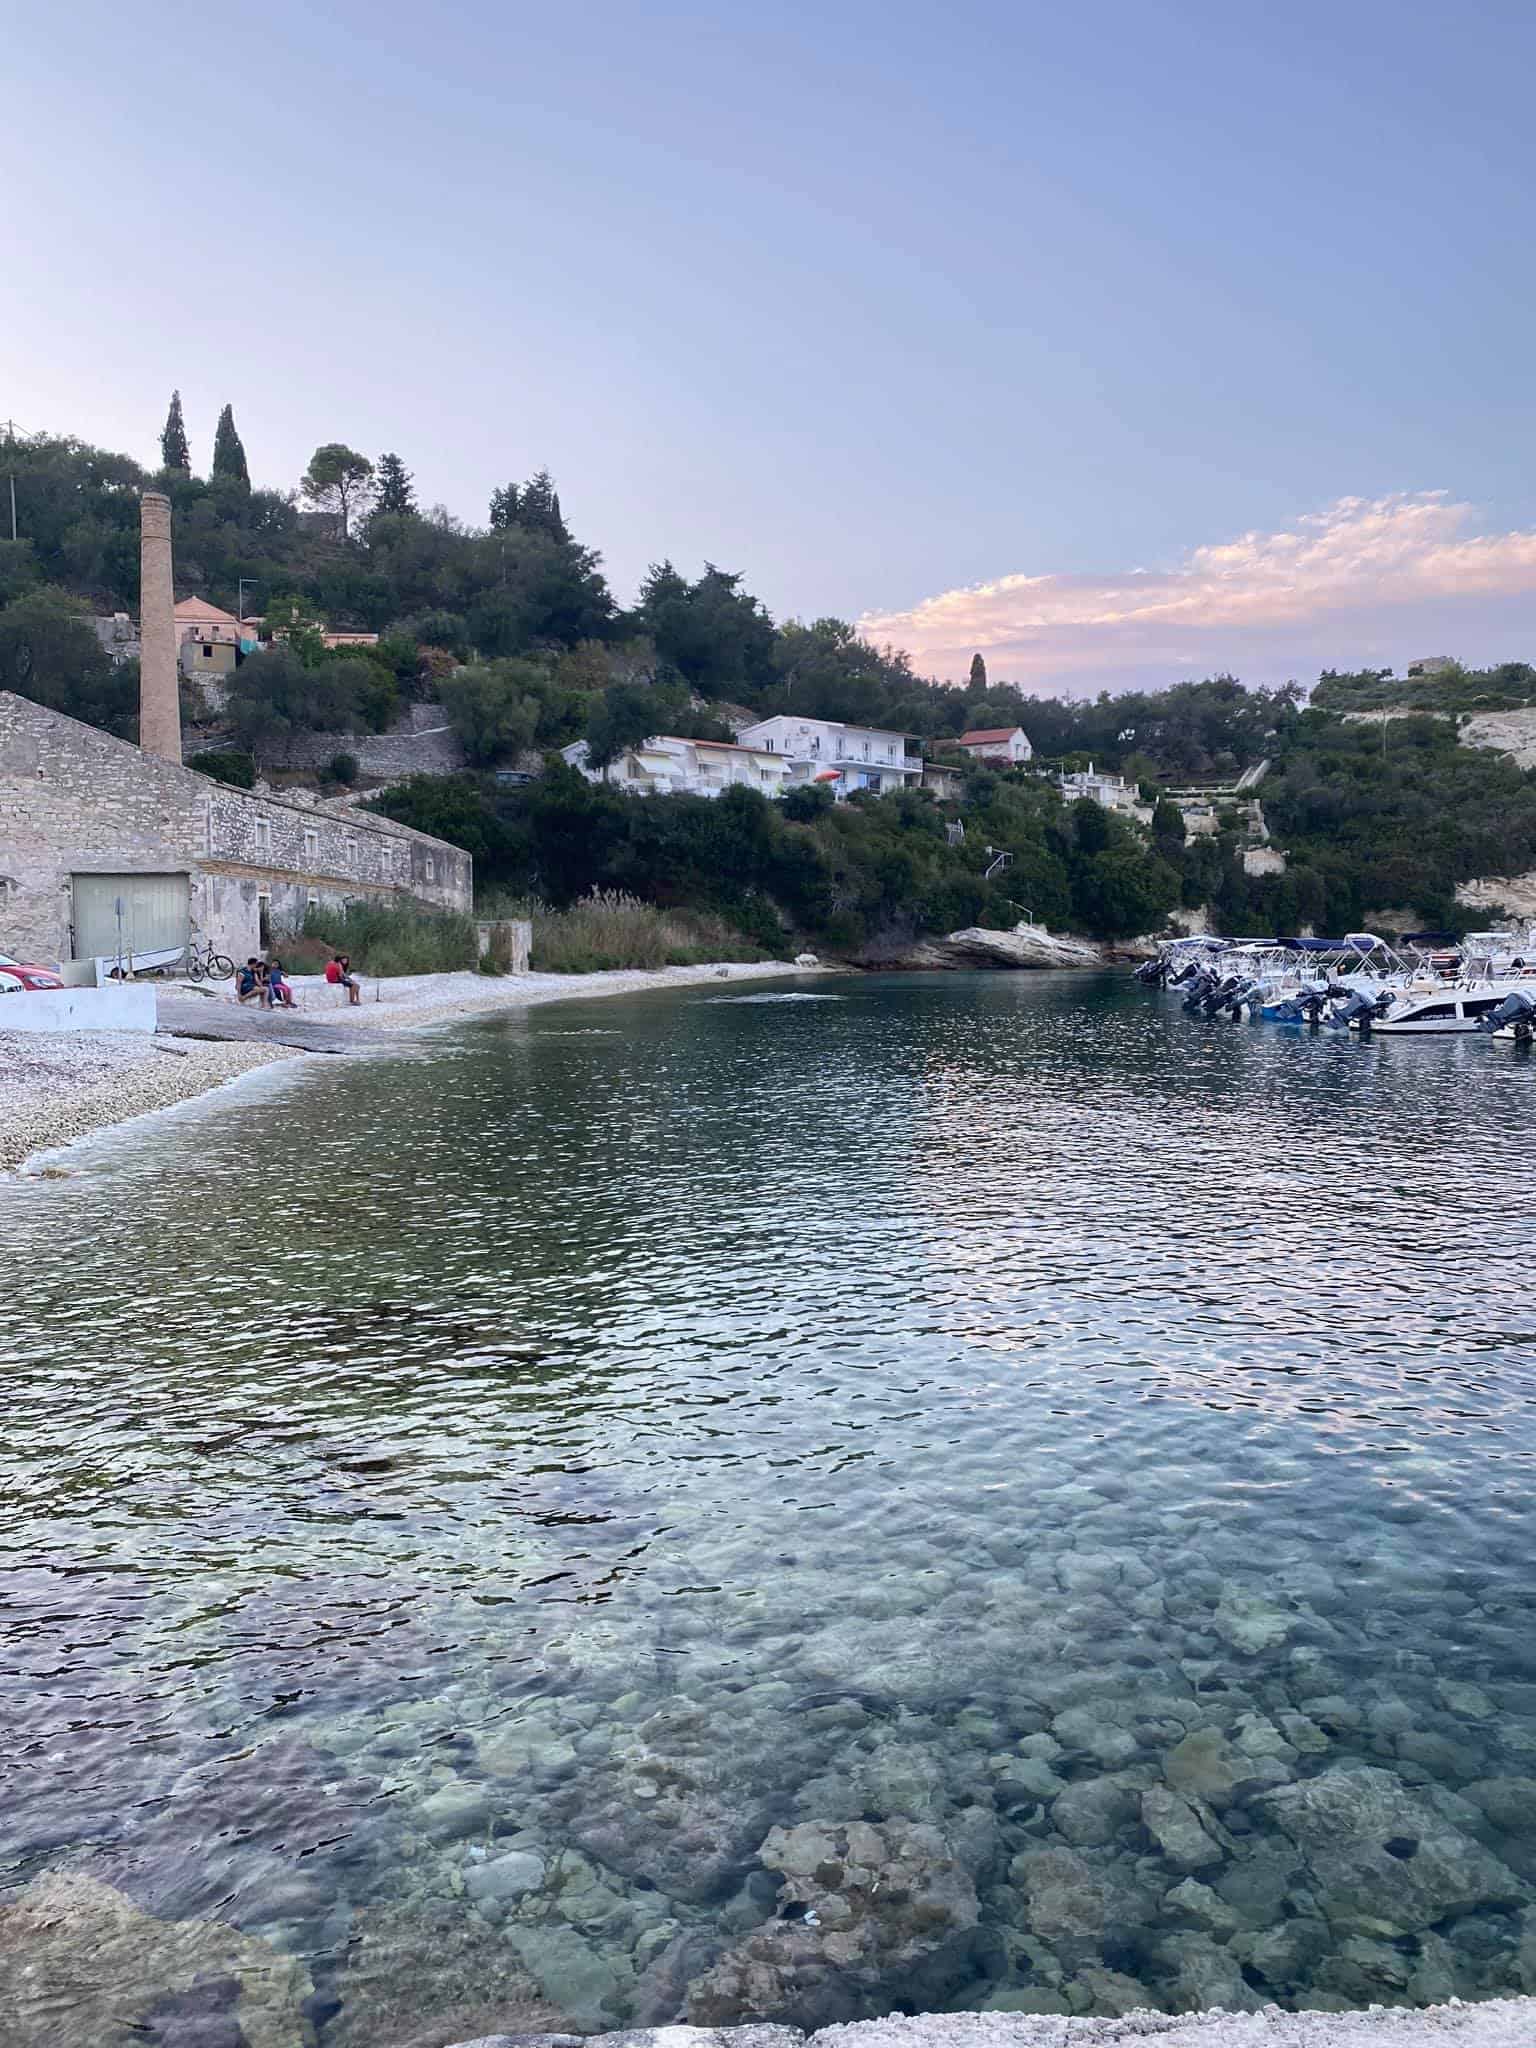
{"points": [[154, 913]]}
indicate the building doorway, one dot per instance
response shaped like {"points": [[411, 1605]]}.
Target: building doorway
{"points": [[264, 921]]}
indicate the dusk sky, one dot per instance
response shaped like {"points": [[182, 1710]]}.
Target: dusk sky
{"points": [[1123, 342]]}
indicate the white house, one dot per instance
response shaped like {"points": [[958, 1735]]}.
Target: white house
{"points": [[1006, 743], [669, 766], [841, 757], [1112, 791]]}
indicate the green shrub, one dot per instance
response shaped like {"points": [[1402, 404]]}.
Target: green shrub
{"points": [[385, 939], [342, 768], [226, 764]]}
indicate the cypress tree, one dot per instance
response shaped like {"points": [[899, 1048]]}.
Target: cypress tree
{"points": [[174, 452], [229, 451], [978, 674], [396, 486]]}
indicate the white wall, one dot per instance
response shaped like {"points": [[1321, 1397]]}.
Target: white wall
{"points": [[126, 1006]]}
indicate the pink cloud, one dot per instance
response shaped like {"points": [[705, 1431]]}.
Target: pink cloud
{"points": [[1343, 583]]}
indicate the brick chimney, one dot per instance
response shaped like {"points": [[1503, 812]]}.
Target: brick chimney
{"points": [[159, 681]]}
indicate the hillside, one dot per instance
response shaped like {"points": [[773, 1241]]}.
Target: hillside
{"points": [[511, 629]]}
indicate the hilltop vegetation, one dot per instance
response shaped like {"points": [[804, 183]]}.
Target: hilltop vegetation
{"points": [[511, 625], [1446, 690]]}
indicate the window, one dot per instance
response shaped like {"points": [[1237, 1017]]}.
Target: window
{"points": [[866, 750], [207, 651], [387, 858], [350, 843], [431, 868], [264, 835], [311, 843], [312, 900]]}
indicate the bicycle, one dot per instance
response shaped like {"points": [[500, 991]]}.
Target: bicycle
{"points": [[206, 964]]}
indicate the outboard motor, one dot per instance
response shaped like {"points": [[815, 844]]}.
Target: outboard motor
{"points": [[1219, 994], [1150, 973], [1185, 974], [1518, 1010], [1249, 997], [1196, 990], [1364, 1009]]}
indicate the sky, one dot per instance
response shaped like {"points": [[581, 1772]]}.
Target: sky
{"points": [[1121, 342]]}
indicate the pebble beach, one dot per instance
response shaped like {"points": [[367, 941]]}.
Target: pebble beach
{"points": [[57, 1086]]}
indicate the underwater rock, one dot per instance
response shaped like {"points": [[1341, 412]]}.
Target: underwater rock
{"points": [[421, 1970], [864, 1907], [670, 1807], [1283, 1956], [505, 1878], [1202, 1907], [1176, 1828], [1204, 1766], [1093, 1811], [1250, 1623], [1204, 1975], [592, 1984], [70, 1944], [1510, 1803], [1064, 1901], [1110, 1993], [457, 1809], [1386, 1863]]}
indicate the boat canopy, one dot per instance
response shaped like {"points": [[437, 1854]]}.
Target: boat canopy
{"points": [[1349, 945]]}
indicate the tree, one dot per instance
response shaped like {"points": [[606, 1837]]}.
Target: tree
{"points": [[338, 480], [397, 491], [624, 716], [49, 652], [1168, 827], [504, 508], [229, 464], [715, 634], [978, 675], [174, 452], [292, 622], [538, 508], [493, 707]]}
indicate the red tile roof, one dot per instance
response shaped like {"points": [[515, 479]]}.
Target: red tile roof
{"points": [[996, 732]]}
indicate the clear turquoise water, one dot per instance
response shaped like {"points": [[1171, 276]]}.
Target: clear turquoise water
{"points": [[627, 1428]]}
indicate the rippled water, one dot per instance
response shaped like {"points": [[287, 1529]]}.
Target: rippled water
{"points": [[457, 1506]]}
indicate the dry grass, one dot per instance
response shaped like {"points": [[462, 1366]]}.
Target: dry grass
{"points": [[610, 929]]}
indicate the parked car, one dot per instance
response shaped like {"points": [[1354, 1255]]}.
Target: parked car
{"points": [[16, 975]]}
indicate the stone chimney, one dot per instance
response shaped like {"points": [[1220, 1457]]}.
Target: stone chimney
{"points": [[159, 681]]}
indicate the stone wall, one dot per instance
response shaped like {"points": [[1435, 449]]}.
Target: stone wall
{"points": [[420, 743], [73, 800]]}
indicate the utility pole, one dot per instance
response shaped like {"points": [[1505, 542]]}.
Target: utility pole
{"points": [[10, 442]]}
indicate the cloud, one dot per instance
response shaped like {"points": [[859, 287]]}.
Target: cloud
{"points": [[1345, 582]]}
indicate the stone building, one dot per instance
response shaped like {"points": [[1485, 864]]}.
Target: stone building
{"points": [[88, 822]]}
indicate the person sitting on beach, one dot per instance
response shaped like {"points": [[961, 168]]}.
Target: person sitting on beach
{"points": [[338, 972], [278, 990], [248, 983]]}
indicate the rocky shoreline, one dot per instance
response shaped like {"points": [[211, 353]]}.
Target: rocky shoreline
{"points": [[1502, 2023]]}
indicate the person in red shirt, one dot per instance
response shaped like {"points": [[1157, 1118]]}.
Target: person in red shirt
{"points": [[338, 972]]}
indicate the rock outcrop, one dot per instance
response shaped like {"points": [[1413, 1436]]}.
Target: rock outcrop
{"points": [[1027, 945]]}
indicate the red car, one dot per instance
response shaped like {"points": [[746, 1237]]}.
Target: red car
{"points": [[16, 975]]}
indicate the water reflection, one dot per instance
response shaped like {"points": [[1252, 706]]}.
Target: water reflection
{"points": [[511, 1547]]}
